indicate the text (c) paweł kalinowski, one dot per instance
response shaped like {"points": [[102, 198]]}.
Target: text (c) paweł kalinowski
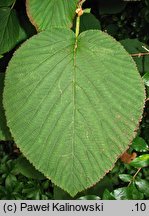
{"points": [[61, 207]]}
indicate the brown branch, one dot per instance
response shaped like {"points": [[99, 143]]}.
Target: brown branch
{"points": [[133, 178], [80, 3], [139, 54]]}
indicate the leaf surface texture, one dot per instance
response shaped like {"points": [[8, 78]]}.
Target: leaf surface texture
{"points": [[73, 108]]}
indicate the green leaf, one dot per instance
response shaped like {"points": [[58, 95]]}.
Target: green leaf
{"points": [[50, 13], [141, 161], [26, 29], [87, 10], [4, 3], [146, 78], [121, 193], [32, 193], [134, 193], [107, 195], [60, 194], [1, 56], [22, 35], [143, 186], [66, 105], [146, 173], [9, 29], [112, 29], [4, 131], [111, 7], [125, 177], [134, 46], [99, 188], [127, 193], [89, 21], [24, 167], [139, 145], [89, 197], [10, 182]]}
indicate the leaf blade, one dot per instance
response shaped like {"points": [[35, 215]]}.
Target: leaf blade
{"points": [[46, 14], [139, 144], [141, 161], [61, 105], [9, 28], [4, 131], [4, 3]]}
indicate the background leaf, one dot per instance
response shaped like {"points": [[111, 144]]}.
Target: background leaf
{"points": [[60, 194], [111, 7], [89, 197], [10, 181], [121, 194], [107, 195], [24, 167], [26, 29], [125, 177], [141, 161], [9, 28], [99, 188], [89, 21], [127, 193], [146, 79], [69, 109], [50, 13], [4, 3], [4, 131], [134, 46], [143, 186], [134, 193], [139, 145]]}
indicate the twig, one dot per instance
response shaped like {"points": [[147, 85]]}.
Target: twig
{"points": [[79, 13], [134, 176], [81, 2], [13, 5], [77, 26], [145, 48], [139, 54]]}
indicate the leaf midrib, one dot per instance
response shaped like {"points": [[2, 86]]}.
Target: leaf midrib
{"points": [[74, 103]]}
